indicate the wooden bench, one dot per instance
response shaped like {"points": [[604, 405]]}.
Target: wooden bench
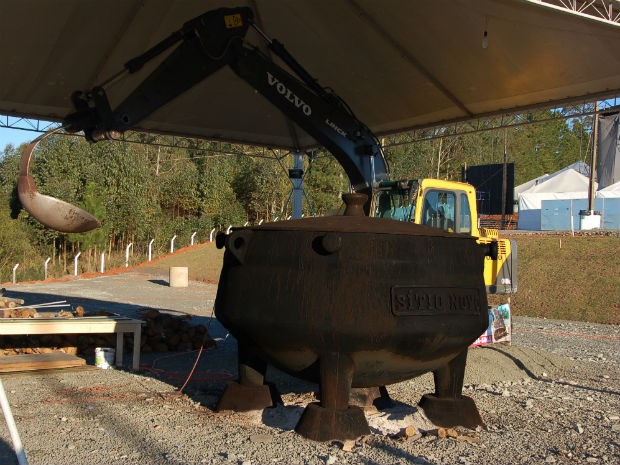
{"points": [[80, 325]]}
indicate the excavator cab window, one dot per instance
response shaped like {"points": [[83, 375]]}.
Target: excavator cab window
{"points": [[447, 210], [439, 210], [464, 224], [395, 204]]}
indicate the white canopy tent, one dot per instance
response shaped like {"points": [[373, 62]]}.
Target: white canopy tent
{"points": [[567, 180], [528, 185], [610, 191], [579, 166], [564, 184], [565, 194]]}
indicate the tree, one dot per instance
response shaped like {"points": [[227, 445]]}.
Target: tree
{"points": [[259, 185], [219, 204], [324, 183]]}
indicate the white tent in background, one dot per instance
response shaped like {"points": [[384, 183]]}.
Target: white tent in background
{"points": [[528, 185], [610, 212], [567, 180], [579, 166], [610, 191], [555, 203], [567, 183]]}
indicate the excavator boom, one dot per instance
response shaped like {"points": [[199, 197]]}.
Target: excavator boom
{"points": [[215, 40]]}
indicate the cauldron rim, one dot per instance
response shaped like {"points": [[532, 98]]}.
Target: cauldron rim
{"points": [[355, 224]]}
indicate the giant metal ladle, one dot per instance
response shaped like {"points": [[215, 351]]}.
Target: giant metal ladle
{"points": [[52, 212]]}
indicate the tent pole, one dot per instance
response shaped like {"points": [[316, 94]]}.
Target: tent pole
{"points": [[504, 179], [591, 191]]}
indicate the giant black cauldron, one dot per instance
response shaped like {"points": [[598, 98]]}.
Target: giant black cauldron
{"points": [[352, 301]]}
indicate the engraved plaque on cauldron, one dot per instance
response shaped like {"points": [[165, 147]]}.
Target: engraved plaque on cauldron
{"points": [[436, 300]]}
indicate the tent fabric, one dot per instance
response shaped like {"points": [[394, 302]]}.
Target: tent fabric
{"points": [[565, 184], [399, 64], [530, 205], [579, 166], [558, 215], [572, 188], [567, 180], [608, 157], [610, 191], [529, 184], [532, 201]]}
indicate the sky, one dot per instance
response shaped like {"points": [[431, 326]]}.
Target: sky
{"points": [[15, 137]]}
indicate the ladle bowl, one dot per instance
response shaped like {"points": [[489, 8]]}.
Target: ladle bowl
{"points": [[50, 211]]}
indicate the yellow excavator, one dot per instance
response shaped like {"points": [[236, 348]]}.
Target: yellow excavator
{"points": [[450, 206]]}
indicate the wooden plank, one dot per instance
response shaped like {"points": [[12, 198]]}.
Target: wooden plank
{"points": [[29, 362], [14, 326]]}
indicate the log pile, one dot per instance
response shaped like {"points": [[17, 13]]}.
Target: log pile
{"points": [[161, 333], [168, 333]]}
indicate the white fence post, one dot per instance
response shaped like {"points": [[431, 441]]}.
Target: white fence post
{"points": [[129, 246], [14, 270], [102, 263], [192, 238], [75, 263], [172, 243], [211, 235], [151, 249], [45, 266]]}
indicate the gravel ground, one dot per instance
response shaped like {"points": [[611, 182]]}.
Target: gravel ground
{"points": [[552, 396]]}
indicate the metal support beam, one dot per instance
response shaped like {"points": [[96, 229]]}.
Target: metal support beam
{"points": [[607, 11], [296, 175]]}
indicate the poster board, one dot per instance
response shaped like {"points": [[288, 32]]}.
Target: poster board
{"points": [[500, 326]]}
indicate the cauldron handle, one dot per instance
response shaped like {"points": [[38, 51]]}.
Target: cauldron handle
{"points": [[331, 242], [237, 244]]}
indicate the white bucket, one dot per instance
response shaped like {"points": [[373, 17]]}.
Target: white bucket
{"points": [[104, 357]]}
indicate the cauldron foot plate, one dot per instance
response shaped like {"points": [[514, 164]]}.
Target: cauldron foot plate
{"points": [[326, 424], [244, 398], [451, 411]]}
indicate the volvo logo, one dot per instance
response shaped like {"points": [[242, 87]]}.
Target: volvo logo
{"points": [[288, 94]]}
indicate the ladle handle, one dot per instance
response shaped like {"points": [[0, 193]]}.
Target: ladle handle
{"points": [[26, 156]]}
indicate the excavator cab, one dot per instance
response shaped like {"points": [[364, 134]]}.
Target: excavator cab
{"points": [[450, 206], [439, 204], [395, 200]]}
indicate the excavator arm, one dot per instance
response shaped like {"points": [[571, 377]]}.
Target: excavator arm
{"points": [[215, 40]]}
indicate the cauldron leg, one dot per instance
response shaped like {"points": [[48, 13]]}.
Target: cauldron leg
{"points": [[333, 418], [448, 406], [250, 392]]}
